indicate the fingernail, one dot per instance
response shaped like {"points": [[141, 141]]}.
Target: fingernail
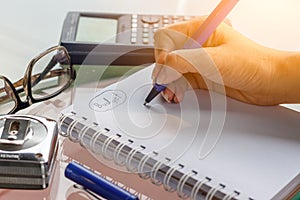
{"points": [[176, 100], [165, 97]]}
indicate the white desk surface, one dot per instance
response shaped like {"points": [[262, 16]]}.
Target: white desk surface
{"points": [[29, 27]]}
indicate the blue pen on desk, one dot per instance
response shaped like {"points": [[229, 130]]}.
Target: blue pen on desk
{"points": [[95, 183], [201, 35]]}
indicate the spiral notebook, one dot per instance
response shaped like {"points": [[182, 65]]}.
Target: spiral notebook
{"points": [[208, 146]]}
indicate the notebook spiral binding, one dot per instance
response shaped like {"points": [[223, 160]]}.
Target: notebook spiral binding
{"points": [[148, 166]]}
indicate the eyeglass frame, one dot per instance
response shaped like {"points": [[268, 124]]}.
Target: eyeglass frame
{"points": [[27, 86]]}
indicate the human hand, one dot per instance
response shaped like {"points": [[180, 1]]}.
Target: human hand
{"points": [[228, 62]]}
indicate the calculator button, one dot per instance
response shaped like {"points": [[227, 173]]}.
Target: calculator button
{"points": [[134, 34], [145, 30], [133, 40], [156, 25], [134, 20], [150, 19], [134, 16], [145, 25], [145, 35], [134, 25], [166, 21], [134, 30], [145, 40]]}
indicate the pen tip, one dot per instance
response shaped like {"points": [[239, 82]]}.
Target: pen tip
{"points": [[145, 104]]}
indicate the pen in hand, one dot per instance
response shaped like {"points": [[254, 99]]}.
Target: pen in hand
{"points": [[156, 89], [201, 35]]}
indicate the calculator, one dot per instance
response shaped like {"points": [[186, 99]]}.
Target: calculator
{"points": [[112, 39]]}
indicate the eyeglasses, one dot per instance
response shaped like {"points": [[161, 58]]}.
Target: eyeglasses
{"points": [[47, 75]]}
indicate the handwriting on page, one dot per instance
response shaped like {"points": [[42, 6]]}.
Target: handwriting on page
{"points": [[107, 100]]}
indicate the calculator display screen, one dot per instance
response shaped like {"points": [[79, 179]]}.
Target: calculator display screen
{"points": [[92, 29]]}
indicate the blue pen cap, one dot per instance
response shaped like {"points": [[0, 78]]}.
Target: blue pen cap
{"points": [[160, 87], [95, 183], [156, 89]]}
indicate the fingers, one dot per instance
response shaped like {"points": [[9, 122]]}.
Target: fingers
{"points": [[180, 62], [175, 36], [196, 81], [168, 39], [227, 59], [175, 90], [159, 64], [172, 69], [171, 66], [195, 66], [165, 41], [168, 95], [169, 42], [173, 96]]}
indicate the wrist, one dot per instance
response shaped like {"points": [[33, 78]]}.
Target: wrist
{"points": [[289, 74]]}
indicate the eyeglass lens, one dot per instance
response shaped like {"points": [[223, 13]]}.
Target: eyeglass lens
{"points": [[50, 74], [7, 102]]}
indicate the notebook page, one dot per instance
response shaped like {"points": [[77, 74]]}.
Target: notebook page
{"points": [[247, 148], [120, 108]]}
